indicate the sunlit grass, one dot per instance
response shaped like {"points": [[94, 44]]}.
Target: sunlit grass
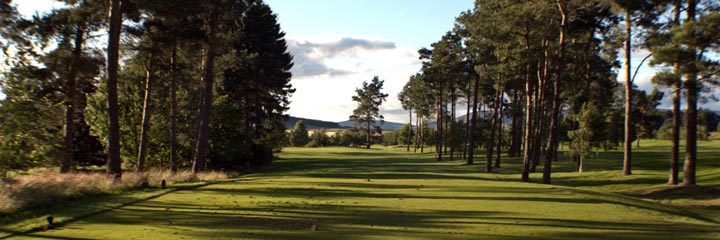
{"points": [[386, 193]]}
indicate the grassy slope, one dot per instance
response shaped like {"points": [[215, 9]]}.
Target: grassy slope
{"points": [[388, 194]]}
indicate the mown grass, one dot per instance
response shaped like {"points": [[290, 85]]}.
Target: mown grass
{"points": [[385, 193]]}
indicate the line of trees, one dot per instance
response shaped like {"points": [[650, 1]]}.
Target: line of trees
{"points": [[550, 68], [162, 84]]}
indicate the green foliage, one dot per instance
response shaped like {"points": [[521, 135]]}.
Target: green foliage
{"points": [[391, 138], [581, 138], [299, 135], [403, 134], [350, 137], [369, 98], [319, 138]]}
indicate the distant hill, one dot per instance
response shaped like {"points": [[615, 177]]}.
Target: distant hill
{"points": [[318, 124], [386, 126], [311, 123]]}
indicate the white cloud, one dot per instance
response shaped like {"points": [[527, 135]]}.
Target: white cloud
{"points": [[328, 69], [644, 77]]}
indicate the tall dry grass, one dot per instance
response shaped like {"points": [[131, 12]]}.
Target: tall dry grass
{"points": [[27, 191]]}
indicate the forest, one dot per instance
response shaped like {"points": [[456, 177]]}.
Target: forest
{"points": [[140, 89]]}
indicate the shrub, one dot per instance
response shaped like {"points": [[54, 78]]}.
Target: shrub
{"points": [[312, 144]]}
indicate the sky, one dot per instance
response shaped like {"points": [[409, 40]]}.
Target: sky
{"points": [[338, 44]]}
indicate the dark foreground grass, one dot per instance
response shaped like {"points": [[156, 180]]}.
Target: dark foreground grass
{"points": [[343, 193]]}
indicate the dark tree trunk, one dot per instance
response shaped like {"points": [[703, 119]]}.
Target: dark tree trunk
{"points": [[677, 89], [439, 124], [452, 123], [691, 131], [417, 131], [493, 128], [67, 163], [147, 114], [691, 113], [410, 129], [367, 136], [627, 161], [536, 126], [540, 111], [422, 135], [500, 128], [446, 127], [555, 118], [114, 162], [473, 124], [528, 113], [468, 95], [206, 108], [514, 149], [173, 107]]}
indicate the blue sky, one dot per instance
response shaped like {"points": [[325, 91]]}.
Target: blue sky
{"points": [[376, 37], [416, 23]]}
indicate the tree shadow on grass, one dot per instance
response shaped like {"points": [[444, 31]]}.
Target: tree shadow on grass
{"points": [[337, 221]]}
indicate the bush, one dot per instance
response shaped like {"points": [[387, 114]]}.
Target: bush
{"points": [[312, 144]]}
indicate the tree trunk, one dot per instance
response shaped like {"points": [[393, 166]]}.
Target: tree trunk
{"points": [[555, 118], [410, 129], [473, 124], [580, 164], [513, 151], [528, 113], [446, 126], [627, 161], [540, 110], [677, 90], [691, 112], [422, 135], [206, 108], [500, 128], [67, 163], [147, 114], [417, 131], [367, 136], [452, 123], [491, 143], [173, 107], [114, 162], [468, 95], [439, 124]]}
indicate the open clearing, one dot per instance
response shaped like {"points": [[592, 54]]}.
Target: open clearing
{"points": [[386, 193]]}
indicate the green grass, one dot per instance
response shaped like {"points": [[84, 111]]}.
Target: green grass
{"points": [[385, 193]]}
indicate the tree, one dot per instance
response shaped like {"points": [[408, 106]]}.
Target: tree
{"points": [[581, 138], [369, 98], [667, 54], [697, 35], [299, 135], [114, 160], [407, 104]]}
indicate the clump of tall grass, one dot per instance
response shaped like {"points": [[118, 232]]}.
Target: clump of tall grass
{"points": [[28, 191]]}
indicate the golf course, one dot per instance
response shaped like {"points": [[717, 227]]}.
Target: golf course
{"points": [[388, 193]]}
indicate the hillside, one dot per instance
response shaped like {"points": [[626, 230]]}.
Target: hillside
{"points": [[386, 126], [318, 124], [311, 123]]}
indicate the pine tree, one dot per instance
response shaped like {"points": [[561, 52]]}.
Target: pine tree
{"points": [[369, 98]]}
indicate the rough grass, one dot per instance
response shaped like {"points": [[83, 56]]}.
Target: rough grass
{"points": [[385, 193], [45, 188]]}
